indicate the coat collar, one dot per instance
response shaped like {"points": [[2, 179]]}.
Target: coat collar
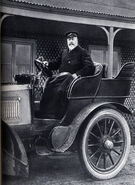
{"points": [[75, 49]]}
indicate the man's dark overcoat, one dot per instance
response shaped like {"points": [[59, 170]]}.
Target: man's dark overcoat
{"points": [[76, 61], [53, 102]]}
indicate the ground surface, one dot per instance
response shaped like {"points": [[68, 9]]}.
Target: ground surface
{"points": [[67, 170]]}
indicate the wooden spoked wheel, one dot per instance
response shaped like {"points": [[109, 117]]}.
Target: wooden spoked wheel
{"points": [[105, 144]]}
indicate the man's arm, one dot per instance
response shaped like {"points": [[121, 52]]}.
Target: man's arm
{"points": [[55, 64], [88, 65]]}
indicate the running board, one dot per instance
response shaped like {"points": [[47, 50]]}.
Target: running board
{"points": [[44, 124]]}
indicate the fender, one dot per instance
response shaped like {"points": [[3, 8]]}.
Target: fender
{"points": [[64, 136], [14, 157]]}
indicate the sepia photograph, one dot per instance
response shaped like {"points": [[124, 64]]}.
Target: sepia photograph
{"points": [[67, 92]]}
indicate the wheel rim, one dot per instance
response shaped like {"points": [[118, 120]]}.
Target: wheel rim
{"points": [[105, 144]]}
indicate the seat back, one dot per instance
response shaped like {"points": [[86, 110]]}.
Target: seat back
{"points": [[117, 89], [86, 86], [126, 71]]}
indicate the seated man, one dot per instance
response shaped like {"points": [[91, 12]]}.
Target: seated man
{"points": [[76, 61]]}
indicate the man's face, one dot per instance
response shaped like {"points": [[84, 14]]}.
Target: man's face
{"points": [[72, 42]]}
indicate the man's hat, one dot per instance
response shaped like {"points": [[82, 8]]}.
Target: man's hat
{"points": [[71, 34]]}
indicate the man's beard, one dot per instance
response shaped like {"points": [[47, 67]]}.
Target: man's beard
{"points": [[71, 46]]}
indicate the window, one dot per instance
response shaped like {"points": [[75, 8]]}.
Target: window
{"points": [[100, 54], [6, 66], [17, 58]]}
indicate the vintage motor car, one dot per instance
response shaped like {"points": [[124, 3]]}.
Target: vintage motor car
{"points": [[93, 123]]}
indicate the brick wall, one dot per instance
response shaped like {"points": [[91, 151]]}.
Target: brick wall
{"points": [[128, 55]]}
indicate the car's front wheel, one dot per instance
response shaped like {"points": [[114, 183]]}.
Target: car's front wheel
{"points": [[105, 144]]}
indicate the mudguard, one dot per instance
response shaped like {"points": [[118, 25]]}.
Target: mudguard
{"points": [[64, 136], [14, 157]]}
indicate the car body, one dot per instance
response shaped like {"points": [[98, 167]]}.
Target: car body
{"points": [[94, 112]]}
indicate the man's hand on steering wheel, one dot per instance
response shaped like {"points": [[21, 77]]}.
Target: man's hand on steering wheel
{"points": [[74, 75], [43, 66], [45, 63]]}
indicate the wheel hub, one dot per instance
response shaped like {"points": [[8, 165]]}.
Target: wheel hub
{"points": [[108, 144]]}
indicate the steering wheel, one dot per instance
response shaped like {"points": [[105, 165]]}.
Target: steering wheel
{"points": [[46, 72], [41, 67]]}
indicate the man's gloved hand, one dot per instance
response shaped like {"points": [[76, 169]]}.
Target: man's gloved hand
{"points": [[74, 75], [45, 63]]}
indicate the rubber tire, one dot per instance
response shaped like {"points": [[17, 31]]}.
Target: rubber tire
{"points": [[99, 175]]}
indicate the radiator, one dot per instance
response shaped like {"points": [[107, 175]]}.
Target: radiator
{"points": [[16, 104], [10, 110]]}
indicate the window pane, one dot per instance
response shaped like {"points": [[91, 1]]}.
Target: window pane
{"points": [[23, 54], [6, 53], [116, 63], [97, 56], [6, 66], [6, 73], [23, 58], [100, 54], [21, 69]]}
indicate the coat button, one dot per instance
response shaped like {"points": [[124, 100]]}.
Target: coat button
{"points": [[69, 62]]}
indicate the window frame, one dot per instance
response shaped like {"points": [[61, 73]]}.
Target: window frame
{"points": [[14, 42], [106, 57]]}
